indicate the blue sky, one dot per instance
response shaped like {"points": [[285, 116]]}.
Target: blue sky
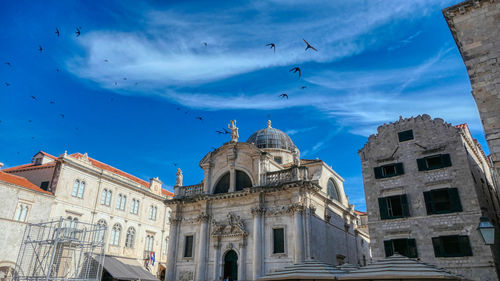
{"points": [[131, 86]]}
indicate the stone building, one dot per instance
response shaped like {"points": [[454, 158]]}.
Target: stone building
{"points": [[258, 209], [427, 183], [474, 25], [86, 190], [21, 201]]}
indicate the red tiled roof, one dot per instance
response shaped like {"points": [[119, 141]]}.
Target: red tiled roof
{"points": [[113, 170], [359, 213], [28, 166], [462, 126], [166, 192], [20, 181], [48, 155]]}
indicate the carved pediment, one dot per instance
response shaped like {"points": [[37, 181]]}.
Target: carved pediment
{"points": [[233, 227]]}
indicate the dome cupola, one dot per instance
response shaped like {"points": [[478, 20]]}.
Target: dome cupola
{"points": [[270, 137]]}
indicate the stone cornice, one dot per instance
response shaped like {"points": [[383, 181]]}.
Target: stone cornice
{"points": [[463, 7]]}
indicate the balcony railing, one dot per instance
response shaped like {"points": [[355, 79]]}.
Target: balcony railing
{"points": [[291, 174], [190, 190]]}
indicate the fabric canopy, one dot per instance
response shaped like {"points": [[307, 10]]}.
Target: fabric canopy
{"points": [[126, 269]]}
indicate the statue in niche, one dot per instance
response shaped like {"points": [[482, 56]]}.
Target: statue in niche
{"points": [[296, 157], [178, 181], [234, 131]]}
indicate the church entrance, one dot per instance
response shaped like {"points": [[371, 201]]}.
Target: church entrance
{"points": [[231, 265]]}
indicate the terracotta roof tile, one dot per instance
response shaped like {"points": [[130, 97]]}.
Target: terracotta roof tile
{"points": [[20, 181], [48, 155], [359, 213], [27, 167], [166, 192]]}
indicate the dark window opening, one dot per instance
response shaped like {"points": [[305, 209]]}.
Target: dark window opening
{"points": [[278, 160], [188, 247], [393, 207], [405, 247], [242, 180], [44, 185], [442, 201], [452, 246], [405, 135], [223, 184], [434, 162], [332, 190], [340, 259], [388, 171], [278, 240]]}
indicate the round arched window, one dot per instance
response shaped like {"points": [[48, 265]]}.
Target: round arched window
{"points": [[242, 181], [332, 190]]}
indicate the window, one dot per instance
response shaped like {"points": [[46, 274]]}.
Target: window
{"points": [[278, 159], [78, 188], [21, 212], [242, 181], [102, 227], [149, 243], [38, 161], [388, 171], [188, 246], [442, 201], [405, 135], [44, 185], [129, 240], [332, 190], [106, 197], [278, 240], [393, 207], [134, 207], [405, 247], [452, 246], [152, 212], [115, 235], [434, 162], [165, 247], [340, 259], [121, 201]]}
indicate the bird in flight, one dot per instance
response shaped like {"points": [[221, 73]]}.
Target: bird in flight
{"points": [[226, 131], [8, 63], [78, 31], [29, 121], [199, 118], [62, 115], [124, 78], [40, 48], [105, 60], [303, 87], [284, 96], [295, 70], [116, 83], [205, 43], [309, 45], [33, 97], [57, 32], [220, 132], [52, 102], [272, 46], [7, 84]]}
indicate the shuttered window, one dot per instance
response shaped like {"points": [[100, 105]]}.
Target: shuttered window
{"points": [[434, 162], [278, 240], [442, 201], [452, 246], [188, 247], [393, 207], [405, 135], [388, 171], [405, 247]]}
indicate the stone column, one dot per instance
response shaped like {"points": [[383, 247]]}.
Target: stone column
{"points": [[257, 242], [242, 260], [232, 179], [217, 259], [172, 249], [299, 233], [202, 247]]}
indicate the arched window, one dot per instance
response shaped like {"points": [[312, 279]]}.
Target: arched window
{"points": [[152, 212], [129, 241], [103, 196], [165, 247], [21, 212], [332, 190], [242, 181], [81, 189], [149, 243], [115, 235], [108, 197], [78, 188], [134, 206], [101, 230]]}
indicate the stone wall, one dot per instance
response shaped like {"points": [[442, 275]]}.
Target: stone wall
{"points": [[431, 136], [475, 28]]}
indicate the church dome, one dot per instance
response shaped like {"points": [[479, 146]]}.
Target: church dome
{"points": [[270, 137]]}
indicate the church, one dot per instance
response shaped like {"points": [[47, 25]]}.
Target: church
{"points": [[259, 209]]}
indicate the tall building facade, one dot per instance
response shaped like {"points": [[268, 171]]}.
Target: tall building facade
{"points": [[86, 190], [427, 183], [258, 209], [474, 25]]}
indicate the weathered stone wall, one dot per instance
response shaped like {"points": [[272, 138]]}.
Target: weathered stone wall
{"points": [[431, 136], [475, 27]]}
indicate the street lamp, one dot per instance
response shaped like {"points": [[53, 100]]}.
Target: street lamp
{"points": [[487, 230]]}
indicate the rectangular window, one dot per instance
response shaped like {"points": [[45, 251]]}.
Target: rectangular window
{"points": [[44, 185], [188, 246], [278, 240], [442, 201], [405, 135], [21, 212], [388, 171], [393, 207], [452, 246], [405, 247], [434, 162]]}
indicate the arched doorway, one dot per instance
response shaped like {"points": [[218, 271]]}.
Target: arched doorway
{"points": [[231, 265]]}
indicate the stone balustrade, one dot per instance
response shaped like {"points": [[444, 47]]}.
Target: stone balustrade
{"points": [[291, 174]]}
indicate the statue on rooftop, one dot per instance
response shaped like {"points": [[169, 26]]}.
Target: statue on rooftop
{"points": [[296, 157], [234, 131], [178, 181]]}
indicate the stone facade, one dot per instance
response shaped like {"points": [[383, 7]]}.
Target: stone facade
{"points": [[224, 217], [475, 28], [61, 175], [466, 171]]}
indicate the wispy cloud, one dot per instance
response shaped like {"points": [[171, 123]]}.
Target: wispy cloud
{"points": [[404, 42], [292, 132]]}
